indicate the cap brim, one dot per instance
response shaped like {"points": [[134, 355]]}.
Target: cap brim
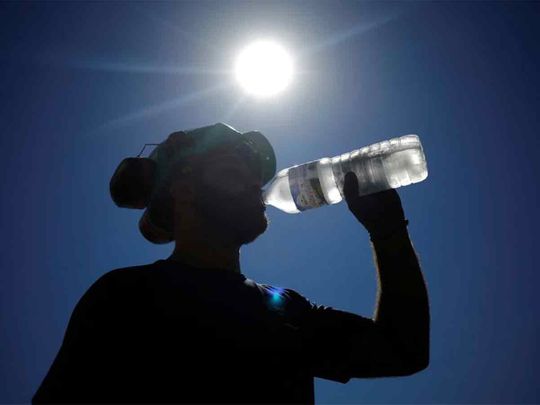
{"points": [[266, 154]]}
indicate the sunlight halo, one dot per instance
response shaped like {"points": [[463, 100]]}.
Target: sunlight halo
{"points": [[264, 69]]}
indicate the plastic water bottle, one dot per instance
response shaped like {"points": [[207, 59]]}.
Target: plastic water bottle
{"points": [[388, 164]]}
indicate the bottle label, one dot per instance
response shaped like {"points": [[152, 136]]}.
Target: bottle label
{"points": [[305, 186]]}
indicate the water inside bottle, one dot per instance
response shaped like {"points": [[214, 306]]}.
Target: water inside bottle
{"points": [[389, 164]]}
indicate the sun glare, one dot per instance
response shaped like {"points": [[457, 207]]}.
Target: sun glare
{"points": [[264, 69]]}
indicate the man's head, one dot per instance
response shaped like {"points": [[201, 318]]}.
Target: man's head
{"points": [[209, 177], [220, 193]]}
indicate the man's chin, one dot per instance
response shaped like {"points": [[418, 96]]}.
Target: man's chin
{"points": [[243, 223], [247, 231]]}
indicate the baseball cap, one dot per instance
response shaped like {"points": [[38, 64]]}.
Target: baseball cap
{"points": [[253, 146]]}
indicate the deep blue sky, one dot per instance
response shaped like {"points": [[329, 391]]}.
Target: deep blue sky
{"points": [[83, 85]]}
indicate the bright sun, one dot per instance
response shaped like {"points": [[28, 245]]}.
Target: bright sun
{"points": [[264, 69]]}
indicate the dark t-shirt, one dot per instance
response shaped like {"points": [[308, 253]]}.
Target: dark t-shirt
{"points": [[166, 332]]}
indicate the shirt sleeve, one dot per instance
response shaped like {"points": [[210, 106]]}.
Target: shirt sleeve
{"points": [[329, 336], [79, 373]]}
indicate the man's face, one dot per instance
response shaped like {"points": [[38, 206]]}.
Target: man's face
{"points": [[229, 195]]}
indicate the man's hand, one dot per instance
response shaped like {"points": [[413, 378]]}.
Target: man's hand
{"points": [[381, 213]]}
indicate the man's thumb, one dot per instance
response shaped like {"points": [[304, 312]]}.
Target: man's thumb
{"points": [[350, 186]]}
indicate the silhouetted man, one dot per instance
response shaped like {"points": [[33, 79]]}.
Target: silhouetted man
{"points": [[193, 328]]}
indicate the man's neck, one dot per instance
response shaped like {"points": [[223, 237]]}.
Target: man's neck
{"points": [[200, 244], [205, 254]]}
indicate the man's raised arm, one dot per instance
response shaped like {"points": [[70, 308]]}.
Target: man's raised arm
{"points": [[400, 344], [402, 304]]}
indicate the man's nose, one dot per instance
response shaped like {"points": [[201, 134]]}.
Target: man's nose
{"points": [[254, 188], [254, 183]]}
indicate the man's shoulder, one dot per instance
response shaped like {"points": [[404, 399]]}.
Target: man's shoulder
{"points": [[128, 273], [122, 281], [285, 298], [111, 300]]}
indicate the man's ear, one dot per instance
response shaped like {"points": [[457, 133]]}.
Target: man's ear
{"points": [[182, 190]]}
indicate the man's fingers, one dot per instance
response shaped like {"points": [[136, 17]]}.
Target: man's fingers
{"points": [[350, 186]]}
